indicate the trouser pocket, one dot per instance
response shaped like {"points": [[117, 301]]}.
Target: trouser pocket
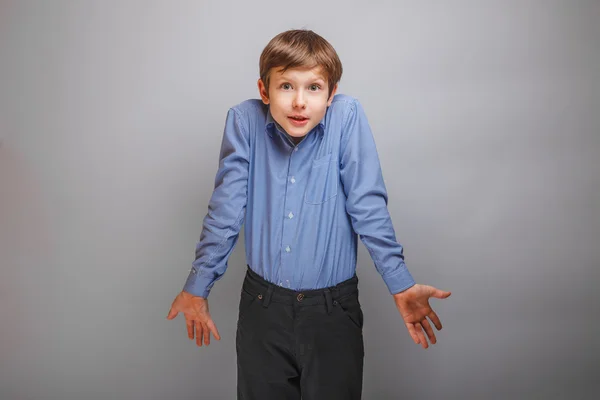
{"points": [[350, 305], [246, 301]]}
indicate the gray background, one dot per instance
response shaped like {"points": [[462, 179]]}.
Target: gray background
{"points": [[487, 121]]}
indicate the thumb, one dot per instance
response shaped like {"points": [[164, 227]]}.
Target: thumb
{"points": [[172, 313], [441, 294]]}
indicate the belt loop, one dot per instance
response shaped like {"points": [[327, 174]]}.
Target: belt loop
{"points": [[328, 302], [267, 298]]}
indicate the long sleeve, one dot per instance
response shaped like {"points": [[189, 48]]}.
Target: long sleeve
{"points": [[226, 210], [367, 199]]}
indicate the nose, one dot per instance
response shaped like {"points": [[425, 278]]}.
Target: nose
{"points": [[299, 100]]}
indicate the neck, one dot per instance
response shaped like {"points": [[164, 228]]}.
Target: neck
{"points": [[295, 140]]}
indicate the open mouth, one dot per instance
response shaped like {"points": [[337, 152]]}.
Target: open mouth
{"points": [[298, 121]]}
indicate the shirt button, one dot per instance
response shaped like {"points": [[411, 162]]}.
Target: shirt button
{"points": [[296, 149], [288, 249], [290, 215], [293, 180]]}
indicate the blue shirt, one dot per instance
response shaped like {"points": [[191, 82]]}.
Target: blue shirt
{"points": [[303, 205]]}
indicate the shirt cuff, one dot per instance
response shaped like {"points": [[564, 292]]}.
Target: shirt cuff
{"points": [[399, 281], [198, 284]]}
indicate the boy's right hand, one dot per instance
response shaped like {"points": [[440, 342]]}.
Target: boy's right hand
{"points": [[197, 317]]}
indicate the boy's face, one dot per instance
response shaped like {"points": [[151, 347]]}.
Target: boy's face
{"points": [[298, 98]]}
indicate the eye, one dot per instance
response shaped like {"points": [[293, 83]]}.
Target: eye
{"points": [[314, 87], [286, 86]]}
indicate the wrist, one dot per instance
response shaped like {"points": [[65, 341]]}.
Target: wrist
{"points": [[188, 295], [403, 292]]}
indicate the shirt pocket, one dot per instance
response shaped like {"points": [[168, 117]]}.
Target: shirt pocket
{"points": [[322, 184]]}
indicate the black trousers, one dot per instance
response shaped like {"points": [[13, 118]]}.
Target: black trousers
{"points": [[305, 344]]}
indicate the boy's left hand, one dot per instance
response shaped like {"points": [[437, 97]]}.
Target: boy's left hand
{"points": [[414, 308]]}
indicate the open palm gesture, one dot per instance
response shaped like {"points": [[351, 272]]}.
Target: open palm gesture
{"points": [[414, 308]]}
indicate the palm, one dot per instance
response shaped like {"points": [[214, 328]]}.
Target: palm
{"points": [[196, 309], [413, 305], [416, 305], [197, 317]]}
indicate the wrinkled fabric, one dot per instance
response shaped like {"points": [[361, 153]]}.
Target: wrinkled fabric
{"points": [[303, 206]]}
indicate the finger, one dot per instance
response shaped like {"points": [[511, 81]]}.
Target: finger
{"points": [[199, 333], [441, 294], [190, 328], [213, 329], [436, 321], [422, 339], [172, 313], [206, 334], [429, 331], [413, 333]]}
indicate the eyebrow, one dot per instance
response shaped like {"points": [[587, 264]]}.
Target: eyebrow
{"points": [[318, 78]]}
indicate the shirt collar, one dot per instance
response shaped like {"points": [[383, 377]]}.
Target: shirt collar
{"points": [[270, 124]]}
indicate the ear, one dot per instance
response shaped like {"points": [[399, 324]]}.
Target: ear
{"points": [[264, 95], [332, 94]]}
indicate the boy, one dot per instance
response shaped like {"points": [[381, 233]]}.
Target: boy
{"points": [[302, 164]]}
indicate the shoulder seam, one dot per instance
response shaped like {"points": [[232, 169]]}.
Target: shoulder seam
{"points": [[238, 115]]}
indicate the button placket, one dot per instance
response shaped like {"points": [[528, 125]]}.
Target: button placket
{"points": [[291, 207]]}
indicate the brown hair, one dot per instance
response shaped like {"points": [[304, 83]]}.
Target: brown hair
{"points": [[300, 48]]}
